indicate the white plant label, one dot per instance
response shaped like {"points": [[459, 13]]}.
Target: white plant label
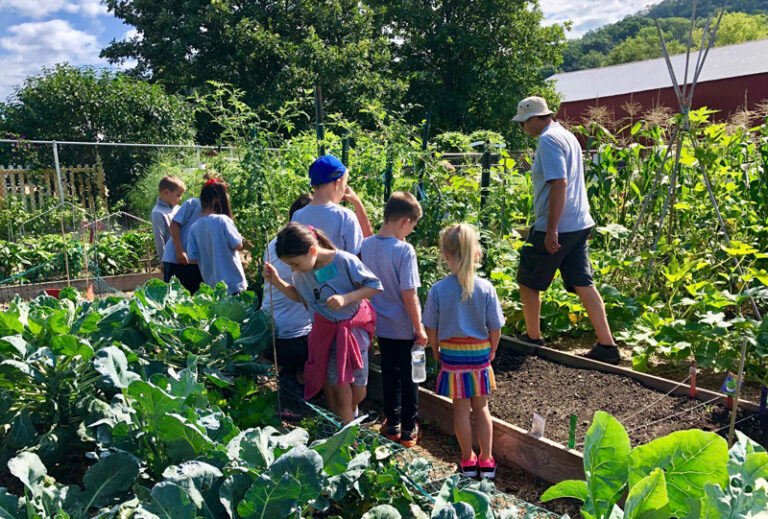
{"points": [[537, 429]]}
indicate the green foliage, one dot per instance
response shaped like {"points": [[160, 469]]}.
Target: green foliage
{"points": [[688, 474], [85, 104]]}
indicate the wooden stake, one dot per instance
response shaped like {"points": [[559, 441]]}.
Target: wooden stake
{"points": [[274, 340], [738, 391]]}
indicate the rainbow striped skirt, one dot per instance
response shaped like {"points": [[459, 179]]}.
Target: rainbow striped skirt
{"points": [[465, 368]]}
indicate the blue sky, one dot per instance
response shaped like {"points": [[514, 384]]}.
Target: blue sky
{"points": [[37, 33]]}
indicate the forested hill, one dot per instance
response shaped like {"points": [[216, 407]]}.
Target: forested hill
{"points": [[635, 37]]}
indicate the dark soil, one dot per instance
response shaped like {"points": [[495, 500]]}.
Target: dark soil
{"points": [[530, 384]]}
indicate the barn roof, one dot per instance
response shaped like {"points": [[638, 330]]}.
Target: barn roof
{"points": [[729, 61]]}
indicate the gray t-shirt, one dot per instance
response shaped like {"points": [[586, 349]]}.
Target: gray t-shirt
{"points": [[394, 263], [452, 317], [187, 214], [338, 223], [345, 274], [161, 217], [558, 155], [211, 242], [291, 318]]}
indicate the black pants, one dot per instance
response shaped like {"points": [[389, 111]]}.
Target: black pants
{"points": [[401, 395], [189, 275], [291, 353]]}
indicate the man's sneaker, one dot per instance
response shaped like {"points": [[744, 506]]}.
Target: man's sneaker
{"points": [[487, 468], [533, 342], [604, 353], [391, 432], [469, 468], [410, 438], [371, 416]]}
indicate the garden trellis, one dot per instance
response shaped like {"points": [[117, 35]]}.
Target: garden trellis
{"points": [[681, 133]]}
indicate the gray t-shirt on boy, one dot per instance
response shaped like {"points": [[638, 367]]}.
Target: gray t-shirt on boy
{"points": [[345, 274], [338, 223], [291, 318], [452, 317], [211, 242], [161, 217], [558, 155], [187, 214], [394, 263]]}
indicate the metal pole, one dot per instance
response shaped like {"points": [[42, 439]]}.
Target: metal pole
{"points": [[422, 160], [61, 217], [120, 144], [319, 121], [485, 181], [58, 171]]}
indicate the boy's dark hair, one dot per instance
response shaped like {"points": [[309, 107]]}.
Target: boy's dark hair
{"points": [[302, 201], [402, 205], [295, 240], [214, 196], [171, 183]]}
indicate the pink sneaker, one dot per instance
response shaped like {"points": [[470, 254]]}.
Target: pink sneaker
{"points": [[487, 468], [469, 468]]}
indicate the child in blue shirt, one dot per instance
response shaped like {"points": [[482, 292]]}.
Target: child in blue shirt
{"points": [[398, 313], [463, 319], [346, 229], [333, 284], [214, 242]]}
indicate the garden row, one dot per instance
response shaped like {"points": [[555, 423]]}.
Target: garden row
{"points": [[150, 407]]}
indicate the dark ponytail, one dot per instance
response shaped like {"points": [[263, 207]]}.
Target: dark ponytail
{"points": [[214, 197], [295, 240]]}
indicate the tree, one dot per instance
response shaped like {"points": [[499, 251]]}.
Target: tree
{"points": [[85, 104], [273, 51], [741, 27], [470, 63]]}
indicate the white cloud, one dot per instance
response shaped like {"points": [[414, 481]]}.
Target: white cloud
{"points": [[589, 14], [28, 47], [37, 9]]}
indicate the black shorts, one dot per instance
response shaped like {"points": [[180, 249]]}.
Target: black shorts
{"points": [[189, 275], [538, 267], [291, 353]]}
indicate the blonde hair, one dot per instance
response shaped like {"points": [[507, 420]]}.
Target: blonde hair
{"points": [[461, 242], [171, 183]]}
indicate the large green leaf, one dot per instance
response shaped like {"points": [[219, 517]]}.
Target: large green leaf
{"points": [[755, 467], [153, 402], [111, 363], [690, 459], [113, 475], [14, 345], [170, 501], [71, 346], [606, 463], [232, 492], [255, 449], [570, 488], [196, 478], [29, 469], [305, 466], [648, 498], [10, 324], [9, 506], [267, 499], [232, 308], [183, 439], [334, 450]]}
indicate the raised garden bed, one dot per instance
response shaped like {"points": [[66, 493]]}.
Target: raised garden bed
{"points": [[102, 285]]}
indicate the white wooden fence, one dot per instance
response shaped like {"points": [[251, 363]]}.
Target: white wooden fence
{"points": [[82, 185]]}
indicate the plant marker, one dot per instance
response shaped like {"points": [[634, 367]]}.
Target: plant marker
{"points": [[572, 432], [692, 392]]}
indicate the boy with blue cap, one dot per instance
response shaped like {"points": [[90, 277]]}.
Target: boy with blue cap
{"points": [[346, 229]]}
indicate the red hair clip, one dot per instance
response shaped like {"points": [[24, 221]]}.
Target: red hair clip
{"points": [[312, 230], [214, 180]]}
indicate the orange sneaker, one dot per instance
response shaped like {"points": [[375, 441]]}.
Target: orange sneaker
{"points": [[410, 438], [392, 433]]}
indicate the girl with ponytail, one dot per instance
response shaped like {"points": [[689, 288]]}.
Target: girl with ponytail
{"points": [[463, 319], [335, 286], [214, 242]]}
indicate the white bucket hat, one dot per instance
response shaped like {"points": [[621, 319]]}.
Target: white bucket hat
{"points": [[531, 107]]}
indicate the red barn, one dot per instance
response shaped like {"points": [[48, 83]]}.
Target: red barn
{"points": [[732, 76]]}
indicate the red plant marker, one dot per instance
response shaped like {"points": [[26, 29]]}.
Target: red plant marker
{"points": [[729, 402], [692, 392]]}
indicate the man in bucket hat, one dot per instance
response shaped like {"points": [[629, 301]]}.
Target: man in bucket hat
{"points": [[558, 238]]}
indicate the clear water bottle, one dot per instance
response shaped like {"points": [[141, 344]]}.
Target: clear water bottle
{"points": [[418, 364]]}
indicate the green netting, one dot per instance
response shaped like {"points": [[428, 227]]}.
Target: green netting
{"points": [[424, 476]]}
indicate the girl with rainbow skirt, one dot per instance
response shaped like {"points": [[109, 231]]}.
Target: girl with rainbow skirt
{"points": [[463, 320]]}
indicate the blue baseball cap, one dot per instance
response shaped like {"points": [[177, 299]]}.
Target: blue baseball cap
{"points": [[326, 169]]}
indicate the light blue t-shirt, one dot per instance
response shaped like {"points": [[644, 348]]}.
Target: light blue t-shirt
{"points": [[338, 223], [211, 242], [345, 274], [452, 317], [394, 263], [291, 318], [188, 213], [558, 155]]}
